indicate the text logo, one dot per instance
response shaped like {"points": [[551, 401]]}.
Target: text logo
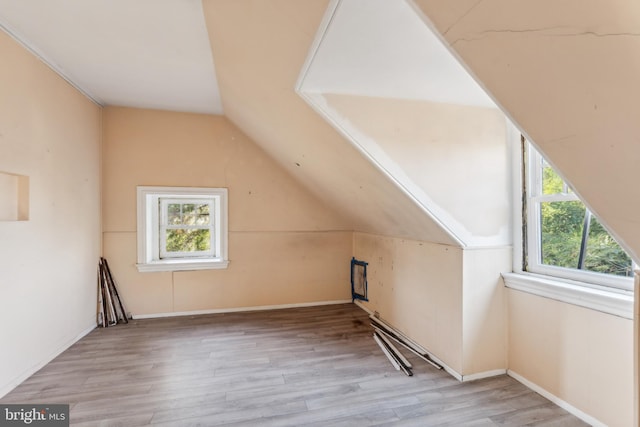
{"points": [[34, 415]]}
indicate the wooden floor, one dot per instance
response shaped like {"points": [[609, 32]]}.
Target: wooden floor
{"points": [[316, 366]]}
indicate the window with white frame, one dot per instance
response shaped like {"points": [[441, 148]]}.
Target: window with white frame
{"points": [[563, 238], [182, 228]]}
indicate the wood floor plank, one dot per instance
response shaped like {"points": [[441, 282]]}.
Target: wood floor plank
{"points": [[313, 366]]}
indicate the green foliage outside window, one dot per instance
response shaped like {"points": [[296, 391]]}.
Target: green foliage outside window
{"points": [[562, 224], [181, 240], [188, 239]]}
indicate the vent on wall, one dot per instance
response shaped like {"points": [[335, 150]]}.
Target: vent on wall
{"points": [[359, 280], [14, 197]]}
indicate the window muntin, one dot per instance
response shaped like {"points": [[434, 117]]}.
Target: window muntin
{"points": [[182, 228], [564, 239], [187, 227]]}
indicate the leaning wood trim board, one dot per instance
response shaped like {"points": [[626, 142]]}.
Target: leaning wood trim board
{"points": [[447, 368]]}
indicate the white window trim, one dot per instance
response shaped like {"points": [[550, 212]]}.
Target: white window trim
{"points": [[148, 240], [535, 264], [600, 298], [213, 227], [610, 300]]}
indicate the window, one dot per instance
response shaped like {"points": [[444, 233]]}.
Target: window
{"points": [[563, 238], [182, 228], [186, 228]]}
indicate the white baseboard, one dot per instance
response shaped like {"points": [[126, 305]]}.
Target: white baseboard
{"points": [[65, 344], [240, 309], [555, 399], [481, 375]]}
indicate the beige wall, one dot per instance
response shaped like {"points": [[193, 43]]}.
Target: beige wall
{"points": [[450, 301], [453, 159], [569, 80], [14, 197], [484, 334], [459, 158], [416, 287], [285, 247], [50, 135], [259, 48], [582, 356]]}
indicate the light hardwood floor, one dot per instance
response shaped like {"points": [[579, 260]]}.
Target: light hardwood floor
{"points": [[316, 366]]}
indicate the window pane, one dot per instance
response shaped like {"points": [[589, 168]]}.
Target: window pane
{"points": [[551, 181], [185, 240], [561, 232], [604, 255], [173, 214], [203, 215], [188, 214], [202, 220]]}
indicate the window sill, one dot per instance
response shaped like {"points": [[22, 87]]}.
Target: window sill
{"points": [[611, 301], [182, 265]]}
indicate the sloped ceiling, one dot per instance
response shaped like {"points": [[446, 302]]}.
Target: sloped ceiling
{"points": [[568, 74], [260, 48], [383, 49], [142, 53], [380, 76], [568, 79], [158, 55]]}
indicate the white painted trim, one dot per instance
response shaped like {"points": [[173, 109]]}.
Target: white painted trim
{"points": [[513, 142], [486, 248], [534, 235], [48, 62], [636, 350], [64, 345], [417, 195], [482, 375], [555, 399], [607, 300], [456, 231], [317, 41], [147, 236], [182, 265], [241, 309]]}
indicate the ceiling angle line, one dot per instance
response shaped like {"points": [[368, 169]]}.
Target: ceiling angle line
{"points": [[315, 45], [48, 62]]}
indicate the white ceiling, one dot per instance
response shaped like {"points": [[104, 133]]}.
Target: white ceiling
{"points": [[384, 48], [137, 53], [156, 53]]}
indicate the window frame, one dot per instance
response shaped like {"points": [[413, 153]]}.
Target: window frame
{"points": [[533, 198], [149, 254], [605, 299], [163, 225]]}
